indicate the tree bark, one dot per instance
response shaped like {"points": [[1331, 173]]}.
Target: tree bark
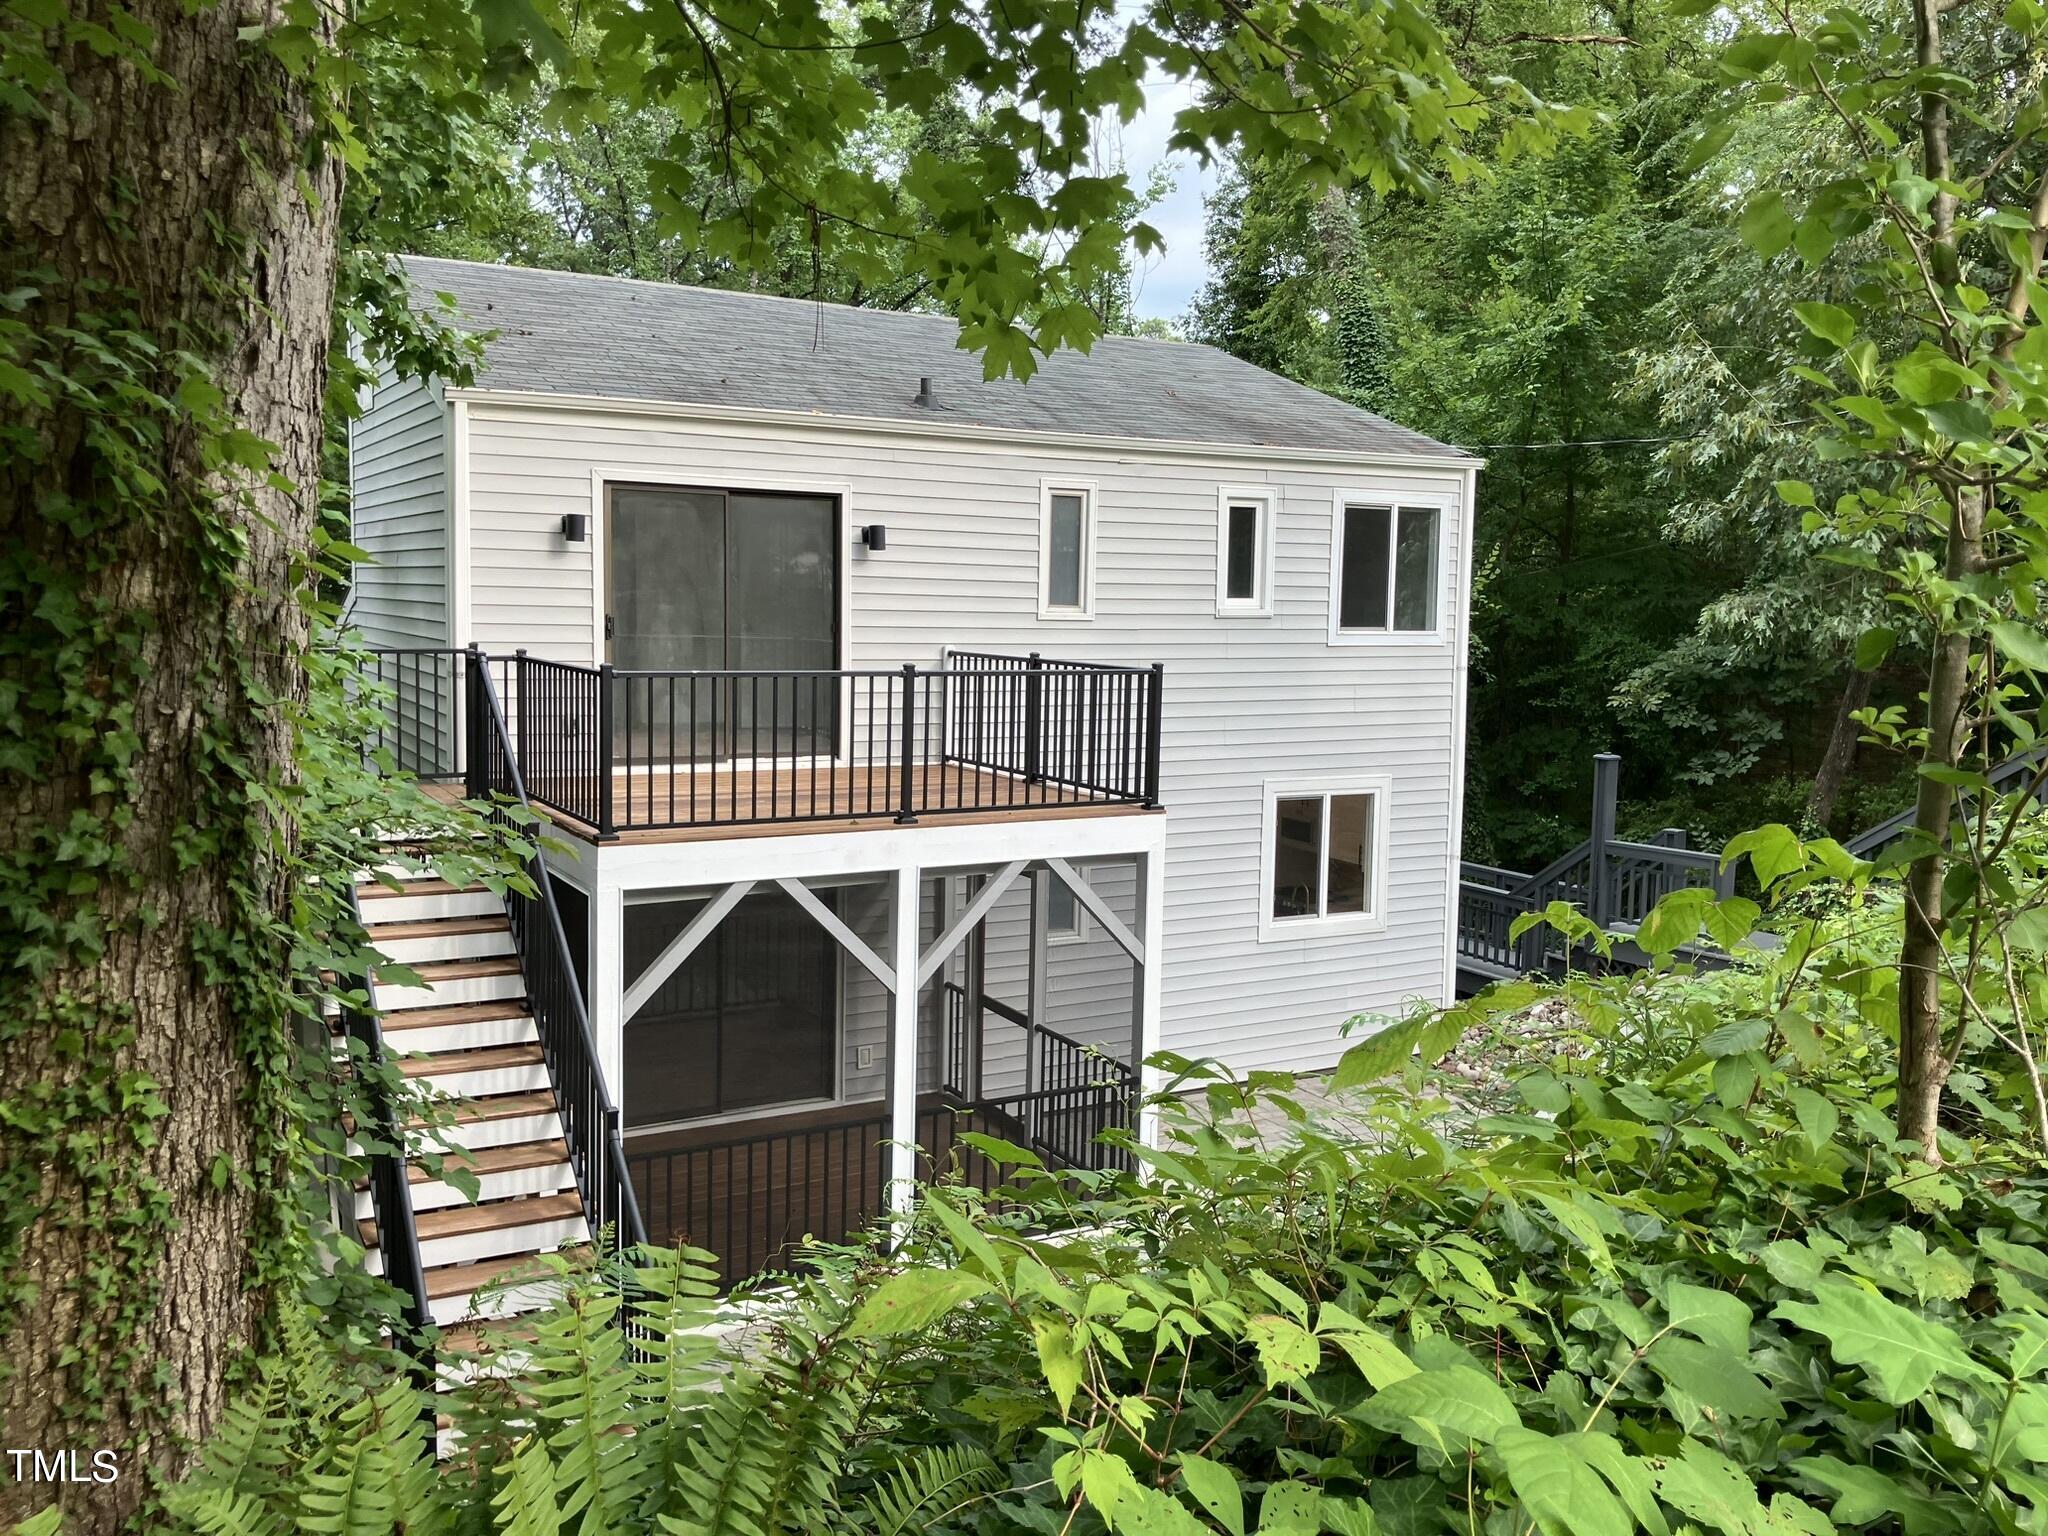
{"points": [[1840, 755], [133, 1236], [1923, 1062]]}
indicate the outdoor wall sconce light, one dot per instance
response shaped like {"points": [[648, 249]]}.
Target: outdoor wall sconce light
{"points": [[576, 527], [875, 536]]}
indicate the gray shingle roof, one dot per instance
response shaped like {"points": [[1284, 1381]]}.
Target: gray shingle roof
{"points": [[573, 334]]}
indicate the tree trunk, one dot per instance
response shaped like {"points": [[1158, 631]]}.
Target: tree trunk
{"points": [[1923, 1063], [1836, 761], [152, 624]]}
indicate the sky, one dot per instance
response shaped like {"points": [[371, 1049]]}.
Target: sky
{"points": [[1166, 282]]}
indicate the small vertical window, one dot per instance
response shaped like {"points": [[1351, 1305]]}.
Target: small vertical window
{"points": [[1062, 911], [1066, 536], [1243, 543], [1323, 851], [1387, 569]]}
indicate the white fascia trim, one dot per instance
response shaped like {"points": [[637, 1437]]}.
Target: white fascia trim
{"points": [[460, 605], [1147, 447], [1460, 665]]}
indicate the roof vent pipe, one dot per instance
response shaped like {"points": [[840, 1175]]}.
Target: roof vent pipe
{"points": [[925, 397]]}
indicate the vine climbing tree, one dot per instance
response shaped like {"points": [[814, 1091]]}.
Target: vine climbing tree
{"points": [[169, 253], [172, 184]]}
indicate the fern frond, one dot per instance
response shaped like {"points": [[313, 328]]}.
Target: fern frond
{"points": [[581, 1390], [929, 1487], [769, 1446], [526, 1504]]}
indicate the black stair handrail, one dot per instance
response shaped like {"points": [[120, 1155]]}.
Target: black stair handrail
{"points": [[590, 1119], [398, 1238]]}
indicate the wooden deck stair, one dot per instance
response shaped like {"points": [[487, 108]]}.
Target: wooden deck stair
{"points": [[461, 1029]]}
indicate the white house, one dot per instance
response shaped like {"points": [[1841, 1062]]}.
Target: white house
{"points": [[1116, 711]]}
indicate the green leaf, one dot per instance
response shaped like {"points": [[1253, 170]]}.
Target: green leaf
{"points": [[1766, 226], [1829, 322], [1927, 376], [1059, 1360], [1902, 1352], [1675, 921], [1732, 919], [1713, 1317], [1290, 1509], [1873, 646], [1773, 851], [1864, 1495], [1735, 1038], [1714, 1378], [1215, 1489], [1287, 1351], [1378, 1055], [1444, 1409], [1570, 1213], [1818, 1117], [1709, 1488], [1625, 1474], [2022, 643], [1378, 1358], [1557, 1488], [913, 1300]]}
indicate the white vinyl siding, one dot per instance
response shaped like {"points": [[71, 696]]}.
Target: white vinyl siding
{"points": [[398, 484], [1244, 703]]}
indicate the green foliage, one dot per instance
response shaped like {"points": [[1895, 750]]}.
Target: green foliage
{"points": [[1682, 1278]]}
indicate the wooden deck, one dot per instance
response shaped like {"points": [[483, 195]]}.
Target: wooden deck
{"points": [[663, 805], [751, 1191]]}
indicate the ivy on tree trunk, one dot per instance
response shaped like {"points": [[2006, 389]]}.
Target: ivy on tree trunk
{"points": [[167, 248]]}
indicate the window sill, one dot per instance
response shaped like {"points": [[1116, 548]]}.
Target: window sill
{"points": [[1066, 615], [1242, 611], [1411, 638], [1281, 930]]}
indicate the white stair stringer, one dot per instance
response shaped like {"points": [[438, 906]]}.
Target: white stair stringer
{"points": [[460, 1029]]}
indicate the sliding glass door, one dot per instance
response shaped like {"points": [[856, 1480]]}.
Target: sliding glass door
{"points": [[724, 581]]}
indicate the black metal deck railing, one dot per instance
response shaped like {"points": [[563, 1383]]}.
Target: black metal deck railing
{"points": [[751, 1191], [554, 992], [621, 751]]}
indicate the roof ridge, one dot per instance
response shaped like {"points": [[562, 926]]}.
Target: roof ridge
{"points": [[653, 282], [779, 298]]}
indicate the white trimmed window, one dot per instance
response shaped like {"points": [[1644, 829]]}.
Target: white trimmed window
{"points": [[1324, 864], [1244, 553], [1386, 570], [1062, 912], [1066, 551]]}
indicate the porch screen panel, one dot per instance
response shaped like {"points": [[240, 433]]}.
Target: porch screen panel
{"points": [[749, 1020], [784, 617], [668, 612], [671, 1045]]}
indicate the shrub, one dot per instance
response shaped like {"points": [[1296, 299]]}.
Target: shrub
{"points": [[1686, 1280]]}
